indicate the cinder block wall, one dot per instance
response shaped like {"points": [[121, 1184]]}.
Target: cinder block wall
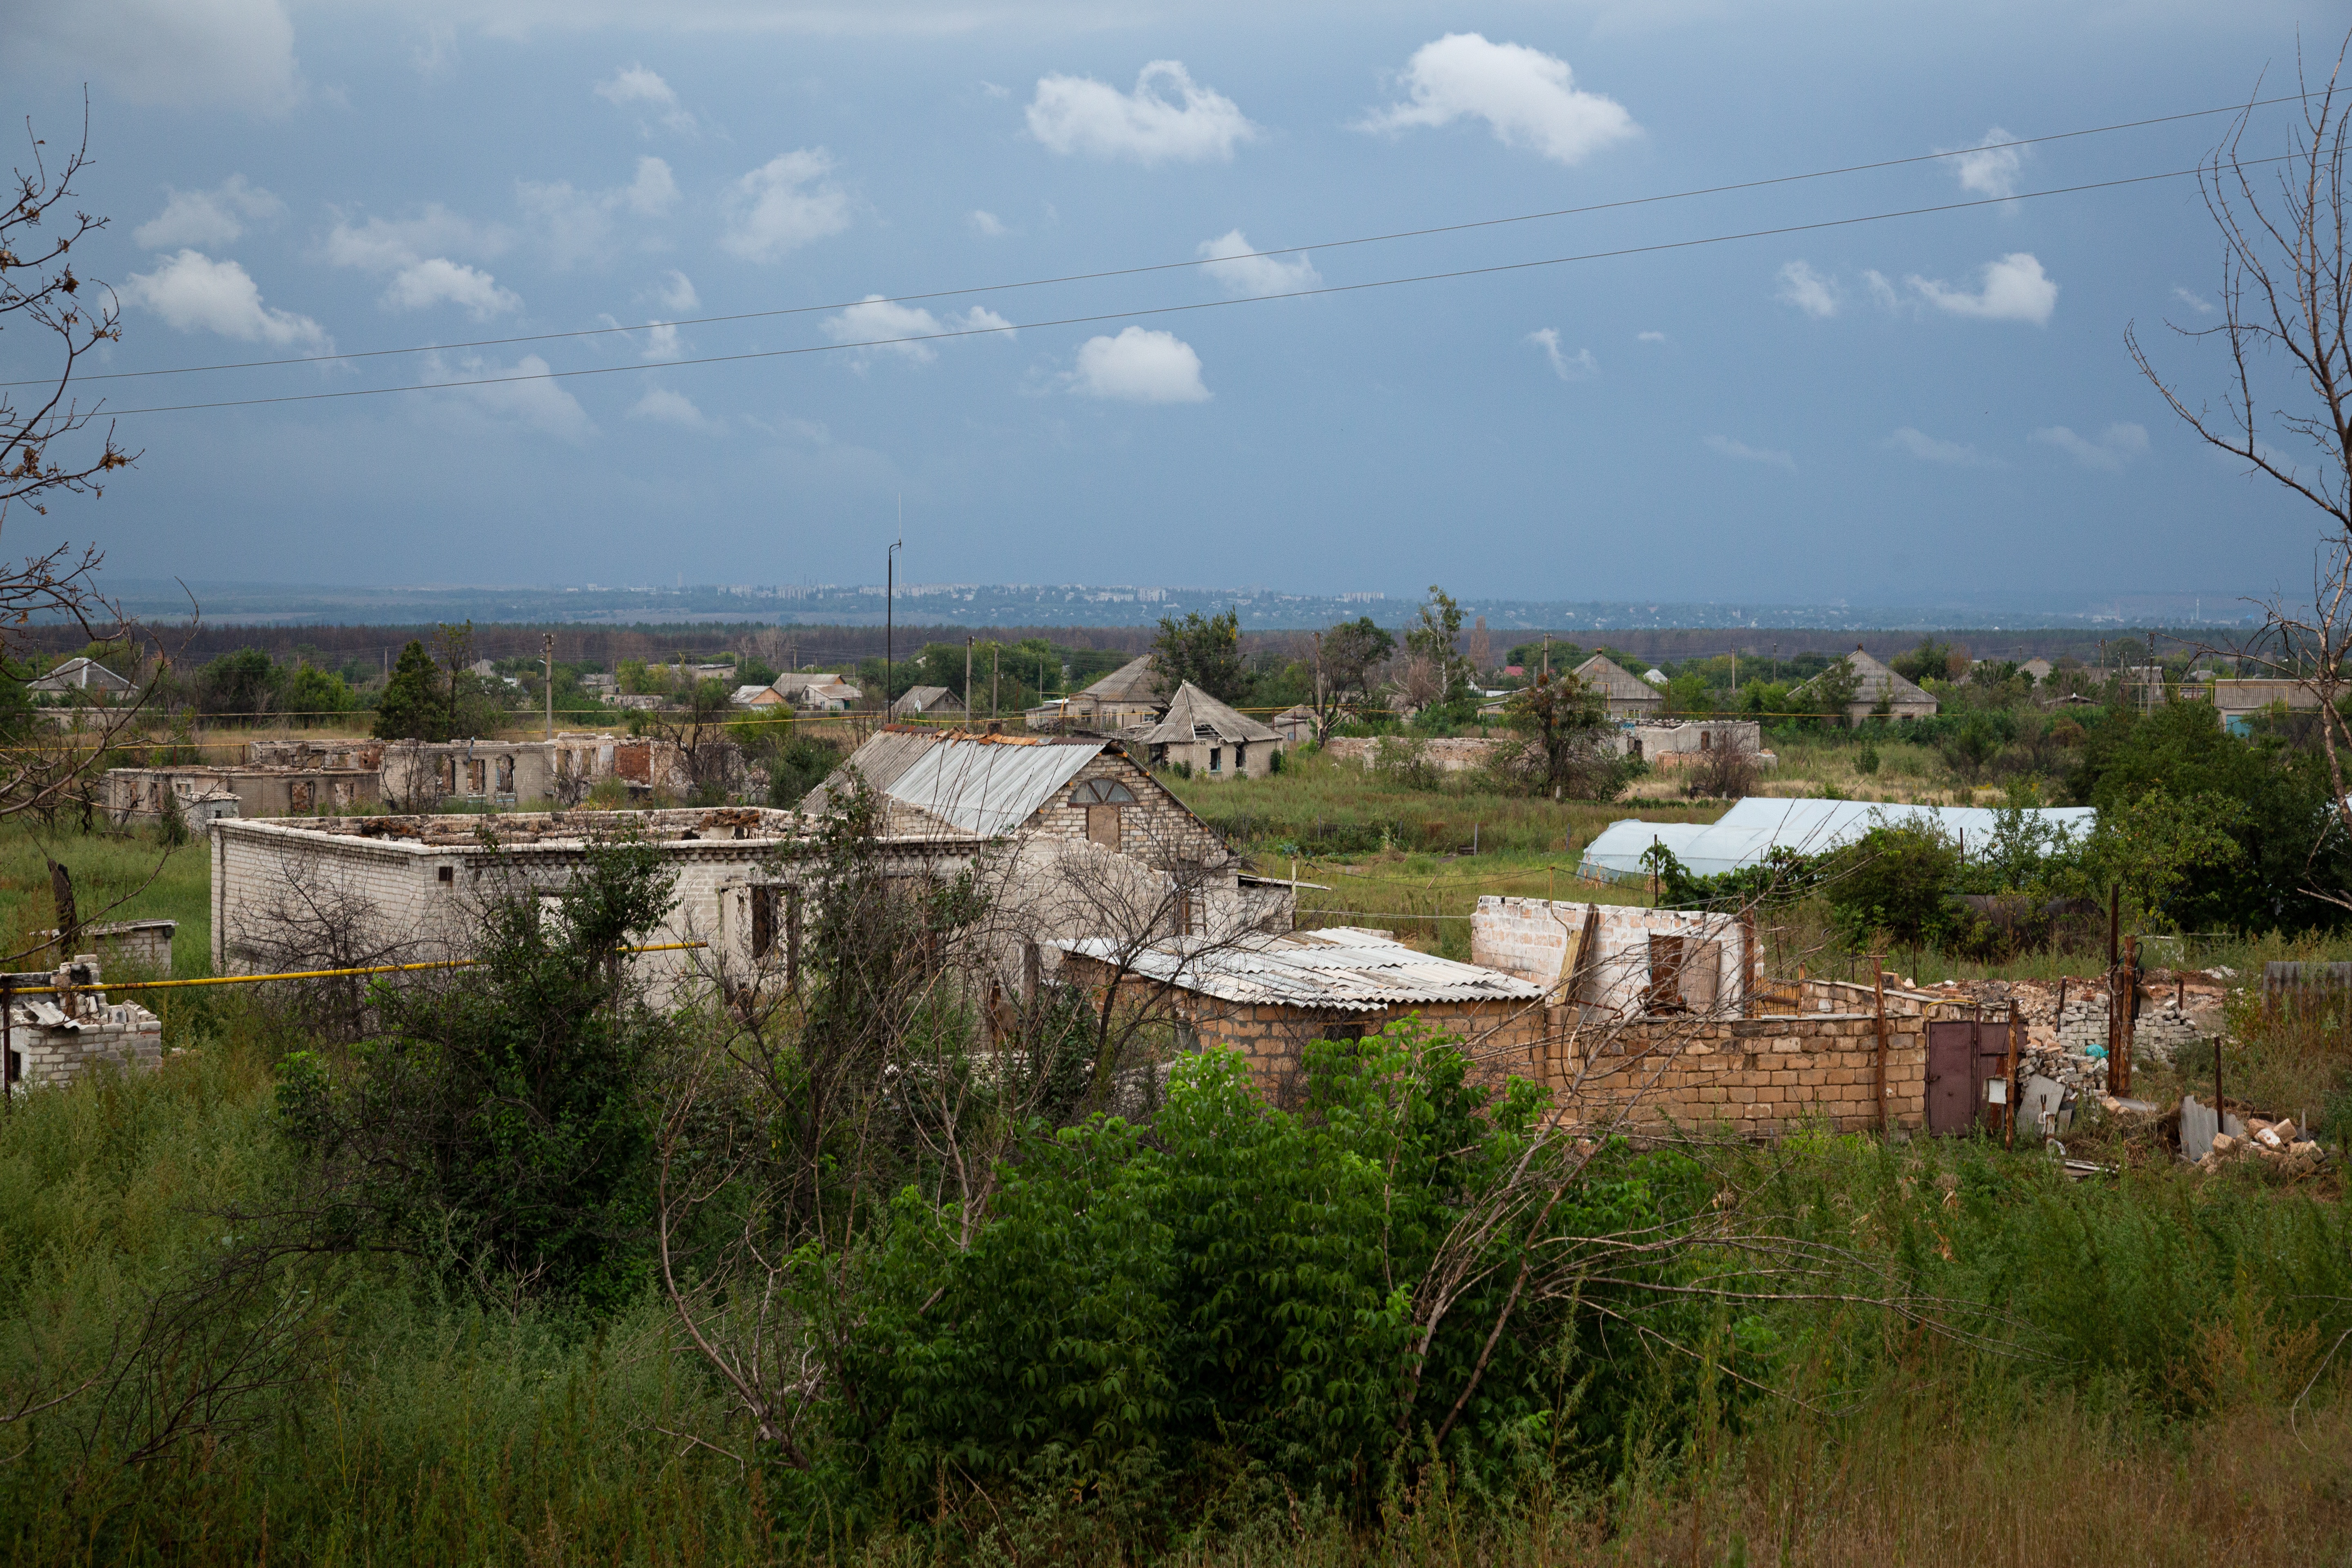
{"points": [[1751, 1075]]}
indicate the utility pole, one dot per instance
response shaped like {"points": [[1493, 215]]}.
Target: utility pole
{"points": [[549, 648], [889, 600], [967, 680], [994, 650], [1547, 663]]}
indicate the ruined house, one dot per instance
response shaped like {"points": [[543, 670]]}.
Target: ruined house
{"points": [[58, 1034], [1676, 742], [1267, 995], [1214, 741], [1127, 696], [83, 675], [254, 789], [421, 775], [1628, 696]]}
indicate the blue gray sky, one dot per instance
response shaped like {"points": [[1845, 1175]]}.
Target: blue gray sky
{"points": [[1888, 412]]}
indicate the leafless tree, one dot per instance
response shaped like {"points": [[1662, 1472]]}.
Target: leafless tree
{"points": [[40, 291], [2286, 306], [317, 916]]}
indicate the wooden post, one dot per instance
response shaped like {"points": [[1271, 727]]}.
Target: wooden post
{"points": [[2009, 1072], [792, 939], [1878, 998], [2130, 1015], [1748, 963], [8, 1048]]}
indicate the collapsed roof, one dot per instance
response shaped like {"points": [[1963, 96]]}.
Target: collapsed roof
{"points": [[1195, 715]]}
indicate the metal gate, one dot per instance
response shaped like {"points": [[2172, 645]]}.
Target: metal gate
{"points": [[1963, 1056]]}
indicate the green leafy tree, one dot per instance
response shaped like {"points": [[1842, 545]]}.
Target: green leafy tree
{"points": [[1929, 659], [312, 694], [1897, 881], [1203, 649], [2152, 844], [1567, 742], [1434, 640], [411, 708], [1350, 653], [241, 685], [500, 1128]]}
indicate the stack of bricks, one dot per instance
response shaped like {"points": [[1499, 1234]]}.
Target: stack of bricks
{"points": [[57, 1037], [2160, 1031], [1753, 1076]]}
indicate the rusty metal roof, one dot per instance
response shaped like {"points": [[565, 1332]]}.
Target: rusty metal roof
{"points": [[1343, 968]]}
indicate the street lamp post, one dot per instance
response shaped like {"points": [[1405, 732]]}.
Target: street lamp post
{"points": [[890, 633]]}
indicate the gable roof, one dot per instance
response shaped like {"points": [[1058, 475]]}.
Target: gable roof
{"points": [[1612, 680], [1130, 682], [983, 784], [80, 674], [1343, 967], [1874, 681], [925, 700], [1192, 711]]}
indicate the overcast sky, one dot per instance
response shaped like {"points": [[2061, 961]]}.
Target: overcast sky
{"points": [[1890, 411]]}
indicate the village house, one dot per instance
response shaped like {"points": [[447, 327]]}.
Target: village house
{"points": [[927, 703], [1628, 696], [817, 691], [82, 675], [1677, 743], [1212, 740], [1878, 692], [1267, 995], [1127, 696]]}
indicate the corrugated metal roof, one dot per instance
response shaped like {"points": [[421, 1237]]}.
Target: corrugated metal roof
{"points": [[1192, 710], [1756, 825], [986, 786], [1340, 968], [886, 754]]}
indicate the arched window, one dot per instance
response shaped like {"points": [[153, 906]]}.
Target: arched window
{"points": [[1102, 792]]}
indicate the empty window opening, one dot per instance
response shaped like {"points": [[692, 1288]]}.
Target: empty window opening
{"points": [[1216, 758], [448, 873]]}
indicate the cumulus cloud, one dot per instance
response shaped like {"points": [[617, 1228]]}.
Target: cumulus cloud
{"points": [[1882, 292], [676, 291], [1138, 366], [520, 394], [1990, 169], [2196, 303], [635, 87], [1809, 290], [1527, 97], [874, 321], [217, 217], [577, 226], [195, 293], [1725, 447], [1929, 449], [667, 407], [183, 54], [441, 281], [1578, 366], [1232, 264], [387, 245], [2013, 289], [782, 205], [1167, 118], [986, 225], [2117, 445]]}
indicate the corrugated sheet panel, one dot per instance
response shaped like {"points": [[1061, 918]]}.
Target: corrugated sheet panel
{"points": [[988, 788], [1352, 970], [886, 754]]}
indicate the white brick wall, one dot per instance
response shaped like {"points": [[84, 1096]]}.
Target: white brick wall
{"points": [[1535, 940]]}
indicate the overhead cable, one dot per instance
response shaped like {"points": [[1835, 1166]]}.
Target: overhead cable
{"points": [[946, 334], [1195, 262]]}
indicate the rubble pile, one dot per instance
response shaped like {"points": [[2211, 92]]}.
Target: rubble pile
{"points": [[2177, 1008]]}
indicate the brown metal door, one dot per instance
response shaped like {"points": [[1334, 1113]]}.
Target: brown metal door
{"points": [[1951, 1069]]}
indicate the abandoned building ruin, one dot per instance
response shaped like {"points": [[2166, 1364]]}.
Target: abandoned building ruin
{"points": [[56, 1037]]}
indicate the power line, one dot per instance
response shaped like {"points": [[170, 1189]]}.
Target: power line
{"points": [[1193, 263], [1092, 318]]}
